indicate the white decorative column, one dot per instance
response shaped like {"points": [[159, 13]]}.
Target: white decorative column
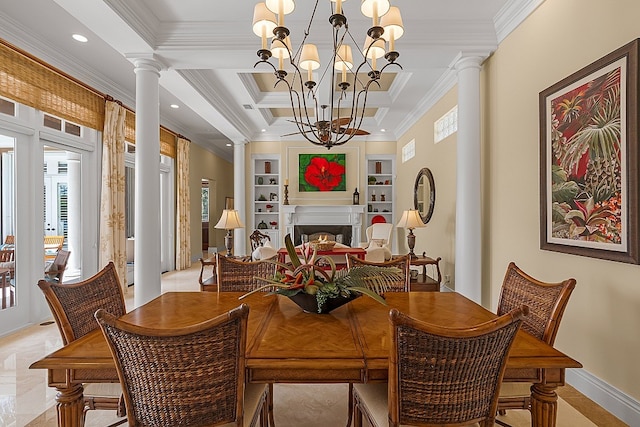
{"points": [[468, 267], [147, 268], [239, 171], [74, 232]]}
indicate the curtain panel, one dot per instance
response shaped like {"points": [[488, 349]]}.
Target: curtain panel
{"points": [[183, 222], [112, 204]]}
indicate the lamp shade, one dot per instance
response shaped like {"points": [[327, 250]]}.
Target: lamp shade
{"points": [[344, 57], [376, 50], [410, 220], [374, 8], [263, 19], [281, 49], [309, 58], [287, 6], [392, 24], [229, 220]]}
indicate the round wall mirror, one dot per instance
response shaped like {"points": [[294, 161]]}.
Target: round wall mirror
{"points": [[424, 194]]}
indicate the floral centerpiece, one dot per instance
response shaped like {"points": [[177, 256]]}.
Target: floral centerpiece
{"points": [[312, 280]]}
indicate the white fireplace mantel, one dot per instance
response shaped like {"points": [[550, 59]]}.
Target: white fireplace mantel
{"points": [[324, 215]]}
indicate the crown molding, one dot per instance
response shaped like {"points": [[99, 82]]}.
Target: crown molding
{"points": [[512, 15], [137, 16]]}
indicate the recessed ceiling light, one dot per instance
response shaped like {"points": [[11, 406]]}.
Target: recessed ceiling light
{"points": [[383, 130], [174, 106], [80, 38], [228, 145], [263, 130]]}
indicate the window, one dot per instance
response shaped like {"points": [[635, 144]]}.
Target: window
{"points": [[409, 151], [445, 125], [7, 107], [60, 124]]}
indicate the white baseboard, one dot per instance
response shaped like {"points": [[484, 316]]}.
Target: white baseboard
{"points": [[610, 398]]}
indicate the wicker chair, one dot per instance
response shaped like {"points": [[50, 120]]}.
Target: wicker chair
{"points": [[240, 276], [546, 302], [438, 375], [236, 275], [189, 376], [402, 263], [56, 270], [73, 307]]}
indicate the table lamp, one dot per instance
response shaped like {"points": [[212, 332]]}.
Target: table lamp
{"points": [[229, 220], [411, 219]]}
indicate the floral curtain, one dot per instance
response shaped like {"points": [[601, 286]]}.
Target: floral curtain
{"points": [[112, 207], [183, 223]]}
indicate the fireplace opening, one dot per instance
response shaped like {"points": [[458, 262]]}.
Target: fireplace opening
{"points": [[341, 233]]}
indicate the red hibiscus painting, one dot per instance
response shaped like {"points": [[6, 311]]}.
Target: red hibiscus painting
{"points": [[322, 172]]}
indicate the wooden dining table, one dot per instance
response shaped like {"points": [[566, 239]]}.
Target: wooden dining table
{"points": [[287, 345]]}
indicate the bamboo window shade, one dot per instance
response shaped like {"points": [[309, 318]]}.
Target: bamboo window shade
{"points": [[26, 80], [29, 81]]}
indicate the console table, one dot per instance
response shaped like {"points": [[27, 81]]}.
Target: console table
{"points": [[425, 282]]}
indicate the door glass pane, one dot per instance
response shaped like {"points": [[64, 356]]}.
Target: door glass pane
{"points": [[62, 211], [7, 219]]}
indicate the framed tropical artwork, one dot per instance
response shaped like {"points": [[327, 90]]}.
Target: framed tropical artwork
{"points": [[589, 179], [322, 172]]}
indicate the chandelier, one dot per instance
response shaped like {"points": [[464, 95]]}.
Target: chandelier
{"points": [[336, 121]]}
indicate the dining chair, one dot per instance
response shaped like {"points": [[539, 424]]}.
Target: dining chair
{"points": [[55, 271], [52, 244], [402, 285], [439, 375], [403, 263], [189, 376], [73, 307], [258, 239], [546, 302], [236, 275]]}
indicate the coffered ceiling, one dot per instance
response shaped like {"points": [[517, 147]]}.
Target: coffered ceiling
{"points": [[208, 51]]}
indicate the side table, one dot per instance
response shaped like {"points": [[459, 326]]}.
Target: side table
{"points": [[425, 282]]}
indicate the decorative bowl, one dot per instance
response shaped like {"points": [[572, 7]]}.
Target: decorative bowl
{"points": [[309, 304], [322, 245]]}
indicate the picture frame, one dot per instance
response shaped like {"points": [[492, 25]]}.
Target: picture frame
{"points": [[322, 172], [589, 175]]}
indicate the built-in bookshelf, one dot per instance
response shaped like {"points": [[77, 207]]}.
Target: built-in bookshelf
{"points": [[266, 196], [380, 197]]}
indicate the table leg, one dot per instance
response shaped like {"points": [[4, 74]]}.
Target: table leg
{"points": [[544, 405], [70, 406]]}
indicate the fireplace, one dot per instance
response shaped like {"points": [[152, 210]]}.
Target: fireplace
{"points": [[306, 233], [345, 220]]}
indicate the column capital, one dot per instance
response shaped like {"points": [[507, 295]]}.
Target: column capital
{"points": [[465, 60], [146, 62], [239, 142]]}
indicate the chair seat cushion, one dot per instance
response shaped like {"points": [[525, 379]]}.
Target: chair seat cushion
{"points": [[374, 398], [253, 394], [103, 389], [508, 389]]}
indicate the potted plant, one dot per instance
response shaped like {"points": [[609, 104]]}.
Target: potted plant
{"points": [[269, 207], [315, 285], [273, 224]]}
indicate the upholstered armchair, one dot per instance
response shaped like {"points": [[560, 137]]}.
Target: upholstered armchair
{"points": [[378, 245]]}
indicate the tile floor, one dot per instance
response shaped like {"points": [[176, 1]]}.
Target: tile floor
{"points": [[25, 399]]}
